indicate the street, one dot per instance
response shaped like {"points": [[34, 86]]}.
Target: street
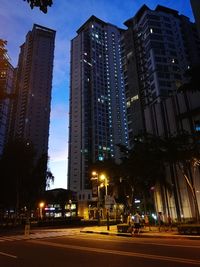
{"points": [[72, 248]]}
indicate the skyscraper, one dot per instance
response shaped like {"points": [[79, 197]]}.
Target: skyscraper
{"points": [[31, 112], [159, 46], [97, 101], [6, 89]]}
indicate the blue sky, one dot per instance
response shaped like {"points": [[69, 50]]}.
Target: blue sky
{"points": [[66, 17]]}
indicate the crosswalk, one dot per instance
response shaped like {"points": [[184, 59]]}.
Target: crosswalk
{"points": [[39, 235]]}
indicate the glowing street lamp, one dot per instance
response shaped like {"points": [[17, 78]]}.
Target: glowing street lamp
{"points": [[101, 182], [41, 206]]}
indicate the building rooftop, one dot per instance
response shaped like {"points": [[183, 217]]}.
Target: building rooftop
{"points": [[144, 8]]}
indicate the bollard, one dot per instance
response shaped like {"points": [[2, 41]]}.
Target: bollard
{"points": [[107, 217], [27, 229]]}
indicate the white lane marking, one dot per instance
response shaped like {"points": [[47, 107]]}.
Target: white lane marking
{"points": [[8, 255], [35, 236], [118, 252]]}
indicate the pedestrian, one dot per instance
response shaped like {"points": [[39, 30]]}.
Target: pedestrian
{"points": [[129, 220], [169, 223], [160, 221], [146, 222], [137, 224], [130, 223], [121, 218]]}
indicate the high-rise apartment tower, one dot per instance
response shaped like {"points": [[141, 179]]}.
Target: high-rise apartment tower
{"points": [[159, 46], [97, 101], [31, 112], [6, 90]]}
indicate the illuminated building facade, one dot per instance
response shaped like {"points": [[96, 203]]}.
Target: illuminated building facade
{"points": [[159, 47], [6, 89], [31, 111], [97, 102]]}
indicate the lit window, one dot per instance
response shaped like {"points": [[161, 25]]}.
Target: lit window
{"points": [[197, 126], [128, 104], [136, 97], [100, 158]]}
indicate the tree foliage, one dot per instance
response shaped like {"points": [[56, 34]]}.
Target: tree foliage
{"points": [[42, 4], [141, 168], [16, 172], [183, 150], [145, 164], [23, 176]]}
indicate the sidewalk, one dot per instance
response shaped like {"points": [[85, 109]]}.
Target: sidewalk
{"points": [[145, 233]]}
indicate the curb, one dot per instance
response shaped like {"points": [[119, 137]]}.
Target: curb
{"points": [[105, 233], [143, 235]]}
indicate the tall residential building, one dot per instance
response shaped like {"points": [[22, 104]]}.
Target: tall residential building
{"points": [[159, 46], [97, 101], [31, 112], [6, 89]]}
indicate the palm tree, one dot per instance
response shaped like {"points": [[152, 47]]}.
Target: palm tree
{"points": [[140, 170], [42, 177], [183, 151]]}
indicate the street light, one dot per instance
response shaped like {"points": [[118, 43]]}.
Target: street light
{"points": [[41, 206], [102, 181], [105, 179]]}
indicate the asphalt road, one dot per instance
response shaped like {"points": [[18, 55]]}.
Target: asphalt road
{"points": [[79, 249]]}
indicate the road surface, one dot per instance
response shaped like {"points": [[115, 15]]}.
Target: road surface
{"points": [[71, 248]]}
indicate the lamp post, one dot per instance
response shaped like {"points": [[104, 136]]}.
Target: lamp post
{"points": [[102, 181], [41, 206], [95, 177]]}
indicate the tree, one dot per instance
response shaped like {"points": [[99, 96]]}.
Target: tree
{"points": [[16, 167], [183, 151], [112, 172], [138, 172], [24, 177], [142, 168], [42, 4], [42, 175]]}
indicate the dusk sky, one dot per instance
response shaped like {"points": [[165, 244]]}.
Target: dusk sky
{"points": [[66, 17]]}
